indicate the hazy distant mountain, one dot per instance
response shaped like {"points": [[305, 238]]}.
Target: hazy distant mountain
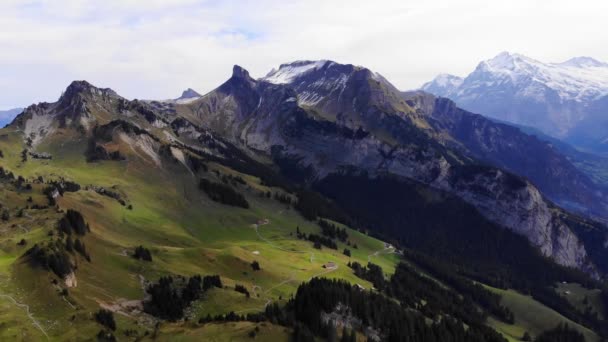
{"points": [[188, 95], [6, 116], [567, 100]]}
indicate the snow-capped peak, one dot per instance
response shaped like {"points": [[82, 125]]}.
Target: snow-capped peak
{"points": [[579, 79], [287, 73], [447, 80], [509, 64], [443, 84]]}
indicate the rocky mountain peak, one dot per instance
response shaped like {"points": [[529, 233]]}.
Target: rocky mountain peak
{"points": [[239, 82], [87, 89], [240, 72], [189, 94]]}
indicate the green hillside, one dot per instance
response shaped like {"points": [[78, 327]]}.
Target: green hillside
{"points": [[186, 232]]}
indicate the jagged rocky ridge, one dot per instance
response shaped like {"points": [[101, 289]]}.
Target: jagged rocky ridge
{"points": [[324, 118]]}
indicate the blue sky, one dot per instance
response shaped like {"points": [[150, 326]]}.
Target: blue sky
{"points": [[156, 48]]}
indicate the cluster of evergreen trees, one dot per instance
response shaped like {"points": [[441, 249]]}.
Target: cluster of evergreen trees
{"points": [[372, 273], [6, 175], [51, 256], [78, 246], [561, 333], [223, 193], [73, 222], [317, 240], [267, 315], [169, 297], [395, 322], [332, 231], [255, 265], [142, 253], [106, 318], [63, 185], [242, 289]]}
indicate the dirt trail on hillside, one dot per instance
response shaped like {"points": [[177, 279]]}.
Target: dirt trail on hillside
{"points": [[27, 310], [256, 226]]}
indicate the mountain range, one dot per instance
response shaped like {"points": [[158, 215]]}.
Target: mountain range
{"points": [[566, 100], [333, 153], [322, 118]]}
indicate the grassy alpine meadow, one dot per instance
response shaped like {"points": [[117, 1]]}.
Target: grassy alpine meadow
{"points": [[186, 232], [531, 316]]}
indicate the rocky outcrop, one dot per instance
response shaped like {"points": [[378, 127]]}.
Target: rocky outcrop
{"points": [[70, 280], [519, 206]]}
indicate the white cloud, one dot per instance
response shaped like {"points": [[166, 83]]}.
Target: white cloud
{"points": [[156, 48]]}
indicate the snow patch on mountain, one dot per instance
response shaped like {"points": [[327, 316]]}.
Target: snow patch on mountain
{"points": [[287, 73]]}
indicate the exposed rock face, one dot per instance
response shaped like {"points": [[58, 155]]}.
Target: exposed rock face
{"points": [[506, 147], [342, 317], [79, 107], [70, 280], [520, 207]]}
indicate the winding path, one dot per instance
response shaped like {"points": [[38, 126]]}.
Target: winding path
{"points": [[29, 314], [288, 280], [329, 270], [256, 227]]}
